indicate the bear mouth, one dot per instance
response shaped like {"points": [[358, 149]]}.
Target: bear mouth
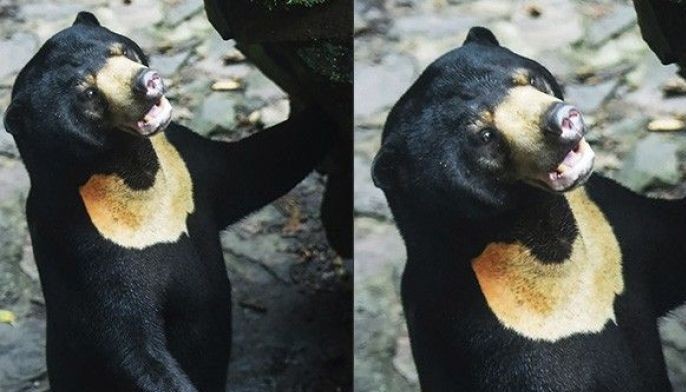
{"points": [[574, 169], [155, 120]]}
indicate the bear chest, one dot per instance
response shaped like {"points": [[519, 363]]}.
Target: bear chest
{"points": [[139, 218], [551, 301]]}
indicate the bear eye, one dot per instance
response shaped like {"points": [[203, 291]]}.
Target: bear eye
{"points": [[90, 93], [486, 135]]}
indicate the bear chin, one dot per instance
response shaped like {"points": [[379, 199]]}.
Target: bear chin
{"points": [[154, 121], [574, 170]]}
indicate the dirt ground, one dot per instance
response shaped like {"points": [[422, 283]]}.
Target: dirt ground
{"points": [[292, 295], [593, 47]]}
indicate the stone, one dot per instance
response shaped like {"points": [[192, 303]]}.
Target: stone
{"points": [[676, 370], [360, 25], [667, 124], [370, 16], [15, 52], [403, 362], [182, 11], [7, 317], [259, 86], [379, 86], [7, 146], [652, 161], [369, 200], [378, 316], [622, 52], [674, 87], [254, 117], [212, 53], [559, 24], [168, 64], [15, 286], [217, 113], [378, 247], [649, 77], [28, 261], [589, 98], [672, 333], [611, 25], [433, 25], [491, 9], [233, 56], [627, 130], [139, 14], [275, 113], [22, 354], [227, 85], [50, 11]]}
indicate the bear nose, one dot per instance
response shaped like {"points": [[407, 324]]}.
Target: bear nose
{"points": [[565, 121], [149, 85]]}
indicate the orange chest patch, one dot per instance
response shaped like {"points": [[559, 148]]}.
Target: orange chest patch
{"points": [[135, 218], [552, 301]]}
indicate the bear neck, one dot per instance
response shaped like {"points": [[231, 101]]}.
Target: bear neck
{"points": [[132, 158], [136, 162], [541, 220]]}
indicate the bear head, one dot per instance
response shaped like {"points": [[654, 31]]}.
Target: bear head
{"points": [[85, 89], [479, 129]]}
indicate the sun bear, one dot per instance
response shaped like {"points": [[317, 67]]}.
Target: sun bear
{"points": [[125, 209], [524, 272]]}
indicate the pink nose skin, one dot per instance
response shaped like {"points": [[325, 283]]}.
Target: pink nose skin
{"points": [[149, 84], [566, 122]]}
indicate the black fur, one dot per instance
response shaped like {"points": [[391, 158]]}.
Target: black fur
{"points": [[448, 208], [155, 319]]}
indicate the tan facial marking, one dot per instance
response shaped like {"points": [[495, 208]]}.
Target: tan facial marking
{"points": [[116, 49], [518, 117], [486, 117], [553, 301], [114, 80], [119, 49], [141, 218], [521, 77], [89, 80]]}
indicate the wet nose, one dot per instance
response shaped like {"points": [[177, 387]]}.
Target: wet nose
{"points": [[149, 84], [565, 121]]}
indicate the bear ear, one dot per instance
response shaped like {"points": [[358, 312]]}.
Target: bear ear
{"points": [[86, 18], [386, 168], [481, 35], [14, 118]]}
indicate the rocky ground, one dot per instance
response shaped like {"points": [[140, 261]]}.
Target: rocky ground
{"points": [[292, 294], [635, 107]]}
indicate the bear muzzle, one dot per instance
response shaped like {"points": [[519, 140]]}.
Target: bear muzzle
{"points": [[149, 86], [135, 94], [565, 124]]}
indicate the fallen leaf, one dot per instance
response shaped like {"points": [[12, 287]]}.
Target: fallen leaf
{"points": [[7, 317], [227, 85], [666, 125]]}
